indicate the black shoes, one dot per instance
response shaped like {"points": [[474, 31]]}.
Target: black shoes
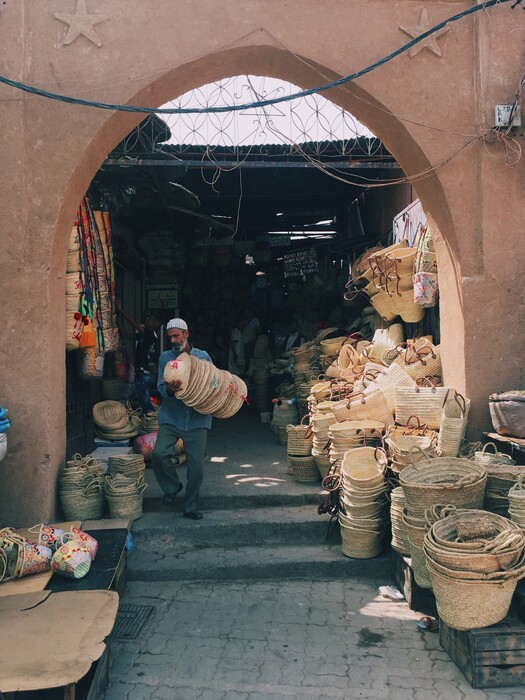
{"points": [[193, 514], [168, 498]]}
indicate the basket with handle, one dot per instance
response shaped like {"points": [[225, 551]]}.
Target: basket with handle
{"points": [[489, 456], [124, 496], [299, 439], [425, 400], [84, 500], [360, 406], [421, 359], [449, 480], [304, 469], [454, 418]]}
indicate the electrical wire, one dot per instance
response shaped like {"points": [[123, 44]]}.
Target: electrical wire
{"points": [[262, 103]]}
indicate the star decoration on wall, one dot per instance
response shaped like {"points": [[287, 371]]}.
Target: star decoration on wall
{"points": [[430, 42], [80, 23]]}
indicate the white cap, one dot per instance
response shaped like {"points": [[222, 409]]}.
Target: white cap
{"points": [[177, 323]]}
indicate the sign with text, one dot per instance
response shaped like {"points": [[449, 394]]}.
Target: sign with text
{"points": [[163, 298], [301, 263]]}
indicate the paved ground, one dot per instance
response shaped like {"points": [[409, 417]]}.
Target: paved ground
{"points": [[265, 640], [294, 640]]}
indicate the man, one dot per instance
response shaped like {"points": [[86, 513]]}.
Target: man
{"points": [[236, 359], [146, 354], [294, 338], [176, 420]]}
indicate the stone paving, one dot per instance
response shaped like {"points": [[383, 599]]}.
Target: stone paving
{"points": [[297, 640]]}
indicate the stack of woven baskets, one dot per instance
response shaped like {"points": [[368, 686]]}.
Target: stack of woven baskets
{"points": [[115, 422], [475, 560], [320, 421], [400, 541], [516, 498], [124, 496], [301, 464], [149, 423], [204, 387], [81, 489], [347, 435], [442, 480], [502, 474], [363, 516]]}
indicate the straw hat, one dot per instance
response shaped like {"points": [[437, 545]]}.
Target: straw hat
{"points": [[178, 370]]}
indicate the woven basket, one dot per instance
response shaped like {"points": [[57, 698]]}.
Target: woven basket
{"points": [[86, 502], [421, 359], [125, 496], [387, 380], [425, 402], [359, 543], [360, 406], [385, 305], [364, 467], [304, 469], [110, 415], [416, 535], [454, 417], [445, 480], [467, 604], [323, 464], [400, 542], [299, 440], [489, 458]]}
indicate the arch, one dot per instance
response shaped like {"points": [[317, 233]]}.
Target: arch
{"points": [[272, 61]]}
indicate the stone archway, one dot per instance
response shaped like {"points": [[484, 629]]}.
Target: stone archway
{"points": [[63, 146]]}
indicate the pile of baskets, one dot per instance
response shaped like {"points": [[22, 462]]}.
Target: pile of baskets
{"points": [[114, 422], [347, 435], [442, 480], [502, 474], [320, 422], [133, 466], [149, 423], [474, 559], [400, 541], [81, 489], [516, 497], [206, 388], [124, 495], [301, 464], [363, 514]]}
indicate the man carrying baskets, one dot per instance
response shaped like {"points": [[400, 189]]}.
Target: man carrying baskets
{"points": [[177, 420]]}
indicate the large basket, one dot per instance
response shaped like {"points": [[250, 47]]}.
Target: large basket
{"points": [[299, 440], [465, 604], [416, 532], [443, 480], [304, 469], [84, 501], [124, 496]]}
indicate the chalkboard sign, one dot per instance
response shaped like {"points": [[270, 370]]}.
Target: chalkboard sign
{"points": [[301, 263]]}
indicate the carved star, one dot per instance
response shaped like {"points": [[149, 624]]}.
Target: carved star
{"points": [[80, 23], [430, 42]]}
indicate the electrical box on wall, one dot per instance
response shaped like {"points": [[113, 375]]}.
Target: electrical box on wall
{"points": [[502, 116]]}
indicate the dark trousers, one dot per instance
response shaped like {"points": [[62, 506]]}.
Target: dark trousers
{"points": [[166, 472]]}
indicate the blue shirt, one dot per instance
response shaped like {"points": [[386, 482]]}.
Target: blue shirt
{"points": [[173, 411]]}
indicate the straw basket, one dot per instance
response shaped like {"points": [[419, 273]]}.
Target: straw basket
{"points": [[400, 542], [416, 530], [387, 379], [361, 543], [360, 406], [110, 415], [83, 500], [364, 467], [421, 359], [466, 604], [323, 464], [487, 458], [300, 440], [304, 469], [454, 417], [124, 496], [445, 480], [425, 402]]}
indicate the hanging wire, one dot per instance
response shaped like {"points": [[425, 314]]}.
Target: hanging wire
{"points": [[262, 103]]}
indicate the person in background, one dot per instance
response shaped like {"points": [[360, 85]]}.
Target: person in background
{"points": [[251, 328], [146, 354], [221, 342], [176, 420], [294, 339], [236, 357]]}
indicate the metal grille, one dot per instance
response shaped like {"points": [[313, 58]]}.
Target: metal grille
{"points": [[312, 119], [131, 621]]}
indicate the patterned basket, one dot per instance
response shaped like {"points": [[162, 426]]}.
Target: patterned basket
{"points": [[304, 469]]}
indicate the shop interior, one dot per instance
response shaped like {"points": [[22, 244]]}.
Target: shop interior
{"points": [[224, 235]]}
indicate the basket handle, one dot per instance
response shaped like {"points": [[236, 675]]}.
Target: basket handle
{"points": [[411, 451], [437, 511], [503, 541], [490, 444]]}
